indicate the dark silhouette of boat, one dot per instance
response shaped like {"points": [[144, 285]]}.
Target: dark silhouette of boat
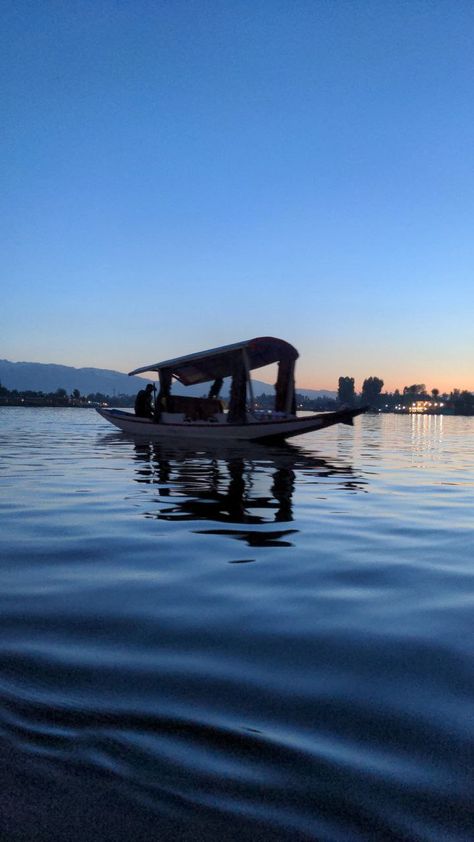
{"points": [[190, 418]]}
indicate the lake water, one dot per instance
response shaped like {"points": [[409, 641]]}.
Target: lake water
{"points": [[249, 644]]}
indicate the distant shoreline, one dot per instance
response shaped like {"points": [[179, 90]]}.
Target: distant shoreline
{"points": [[439, 412]]}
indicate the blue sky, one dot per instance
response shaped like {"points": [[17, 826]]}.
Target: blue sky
{"points": [[180, 175]]}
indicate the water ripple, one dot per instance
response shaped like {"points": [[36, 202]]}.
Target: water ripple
{"points": [[242, 644]]}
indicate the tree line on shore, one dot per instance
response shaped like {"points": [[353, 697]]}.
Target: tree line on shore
{"points": [[460, 402], [28, 397]]}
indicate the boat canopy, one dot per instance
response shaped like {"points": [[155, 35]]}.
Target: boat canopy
{"points": [[220, 362]]}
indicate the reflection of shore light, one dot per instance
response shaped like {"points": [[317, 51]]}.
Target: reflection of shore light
{"points": [[427, 435]]}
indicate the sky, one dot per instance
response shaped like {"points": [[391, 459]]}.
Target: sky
{"points": [[181, 175]]}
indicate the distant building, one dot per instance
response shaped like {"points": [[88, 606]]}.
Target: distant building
{"points": [[424, 406]]}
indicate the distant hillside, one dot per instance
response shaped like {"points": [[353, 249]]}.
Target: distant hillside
{"points": [[43, 377], [47, 377]]}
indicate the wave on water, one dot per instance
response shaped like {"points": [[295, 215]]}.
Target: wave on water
{"points": [[239, 644]]}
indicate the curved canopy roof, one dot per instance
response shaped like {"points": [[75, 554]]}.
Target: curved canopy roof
{"points": [[219, 362]]}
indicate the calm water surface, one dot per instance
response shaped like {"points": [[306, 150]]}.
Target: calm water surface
{"points": [[246, 644]]}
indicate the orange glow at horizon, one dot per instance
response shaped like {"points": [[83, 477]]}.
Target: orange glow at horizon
{"points": [[445, 382]]}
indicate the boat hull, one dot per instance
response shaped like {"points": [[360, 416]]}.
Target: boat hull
{"points": [[263, 431]]}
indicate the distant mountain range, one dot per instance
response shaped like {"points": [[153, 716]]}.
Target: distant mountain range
{"points": [[47, 377]]}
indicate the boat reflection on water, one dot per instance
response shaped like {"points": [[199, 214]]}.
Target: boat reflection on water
{"points": [[251, 484]]}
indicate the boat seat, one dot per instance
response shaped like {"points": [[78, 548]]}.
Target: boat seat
{"points": [[196, 409]]}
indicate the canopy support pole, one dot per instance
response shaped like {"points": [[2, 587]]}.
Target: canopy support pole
{"points": [[290, 390], [249, 379]]}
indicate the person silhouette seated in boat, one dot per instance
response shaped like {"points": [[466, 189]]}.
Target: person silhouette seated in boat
{"points": [[143, 402]]}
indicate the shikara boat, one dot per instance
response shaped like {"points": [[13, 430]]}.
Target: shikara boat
{"points": [[186, 418]]}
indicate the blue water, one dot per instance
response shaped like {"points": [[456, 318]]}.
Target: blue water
{"points": [[242, 644]]}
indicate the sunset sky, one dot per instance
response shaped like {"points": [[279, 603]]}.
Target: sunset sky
{"points": [[181, 175]]}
